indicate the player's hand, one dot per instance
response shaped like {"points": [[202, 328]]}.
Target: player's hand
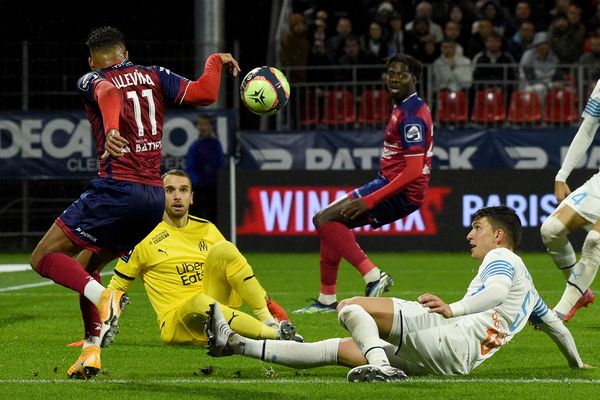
{"points": [[435, 305], [230, 62], [354, 209], [114, 145], [561, 190]]}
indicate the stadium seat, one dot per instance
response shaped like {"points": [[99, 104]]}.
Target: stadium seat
{"points": [[525, 107], [488, 106], [374, 107], [339, 108], [561, 107], [452, 107]]}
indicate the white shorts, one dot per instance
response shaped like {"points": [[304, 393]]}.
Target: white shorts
{"points": [[586, 199], [428, 343]]}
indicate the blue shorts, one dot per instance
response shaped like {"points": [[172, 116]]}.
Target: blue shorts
{"points": [[389, 210], [113, 215]]}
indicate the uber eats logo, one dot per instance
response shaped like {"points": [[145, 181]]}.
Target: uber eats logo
{"points": [[190, 272]]}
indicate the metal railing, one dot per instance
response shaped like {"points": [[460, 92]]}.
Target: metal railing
{"points": [[351, 97]]}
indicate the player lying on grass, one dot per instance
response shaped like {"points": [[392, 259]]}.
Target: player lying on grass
{"points": [[186, 264], [393, 337]]}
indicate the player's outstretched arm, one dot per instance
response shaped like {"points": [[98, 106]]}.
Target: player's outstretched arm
{"points": [[559, 333], [205, 90]]}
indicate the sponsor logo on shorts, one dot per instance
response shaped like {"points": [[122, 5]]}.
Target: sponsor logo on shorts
{"points": [[412, 133], [86, 235]]}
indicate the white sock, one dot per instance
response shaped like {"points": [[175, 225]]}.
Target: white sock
{"points": [[365, 333], [327, 298], [582, 274], [292, 354], [372, 276], [93, 290], [90, 341]]}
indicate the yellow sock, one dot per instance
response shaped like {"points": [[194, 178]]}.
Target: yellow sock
{"points": [[247, 326], [241, 277]]}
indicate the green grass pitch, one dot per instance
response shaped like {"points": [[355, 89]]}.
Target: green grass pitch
{"points": [[36, 323]]}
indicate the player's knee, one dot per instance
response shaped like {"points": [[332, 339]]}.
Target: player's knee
{"points": [[553, 231], [347, 302], [224, 250], [345, 311]]}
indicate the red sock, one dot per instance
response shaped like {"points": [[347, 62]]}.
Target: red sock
{"points": [[329, 263], [89, 313], [341, 239], [64, 270]]}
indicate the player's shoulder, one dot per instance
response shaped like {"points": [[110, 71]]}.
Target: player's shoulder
{"points": [[85, 82], [198, 220], [500, 253]]}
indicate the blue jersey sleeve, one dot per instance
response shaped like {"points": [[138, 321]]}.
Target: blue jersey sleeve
{"points": [[412, 132], [539, 313], [173, 85]]}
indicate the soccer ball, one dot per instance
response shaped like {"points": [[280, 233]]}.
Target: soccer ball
{"points": [[265, 90]]}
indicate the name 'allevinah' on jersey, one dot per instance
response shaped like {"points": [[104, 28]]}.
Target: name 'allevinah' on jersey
{"points": [[144, 93]]}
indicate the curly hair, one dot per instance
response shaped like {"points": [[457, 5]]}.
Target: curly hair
{"points": [[414, 66], [105, 36], [502, 217]]}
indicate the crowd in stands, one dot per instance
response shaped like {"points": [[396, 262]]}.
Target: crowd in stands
{"points": [[464, 42]]}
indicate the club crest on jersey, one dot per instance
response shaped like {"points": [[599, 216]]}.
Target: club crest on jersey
{"points": [[412, 133], [202, 245]]}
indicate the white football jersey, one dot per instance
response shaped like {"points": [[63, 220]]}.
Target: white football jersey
{"points": [[495, 327], [592, 108]]}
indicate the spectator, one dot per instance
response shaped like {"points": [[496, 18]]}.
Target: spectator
{"points": [[354, 55], [428, 50], [522, 40], [594, 22], [396, 35], [318, 28], [452, 32], [477, 42], [374, 43], [203, 161], [335, 44], [424, 10], [522, 14], [295, 48], [538, 67], [452, 71], [384, 13], [566, 40], [415, 36], [560, 7], [591, 62], [458, 15], [490, 66], [492, 12], [318, 58]]}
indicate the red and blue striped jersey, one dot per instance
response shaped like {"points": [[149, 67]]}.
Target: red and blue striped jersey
{"points": [[409, 133], [144, 93]]}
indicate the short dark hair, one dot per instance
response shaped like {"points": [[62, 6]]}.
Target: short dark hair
{"points": [[502, 217], [176, 172], [103, 37], [414, 66]]}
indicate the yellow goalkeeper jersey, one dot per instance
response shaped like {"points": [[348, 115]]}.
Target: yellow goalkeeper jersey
{"points": [[169, 262]]}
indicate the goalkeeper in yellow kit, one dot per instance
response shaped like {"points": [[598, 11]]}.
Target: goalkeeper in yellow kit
{"points": [[186, 264]]}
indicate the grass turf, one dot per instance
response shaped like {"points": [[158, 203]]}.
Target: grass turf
{"points": [[37, 322]]}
